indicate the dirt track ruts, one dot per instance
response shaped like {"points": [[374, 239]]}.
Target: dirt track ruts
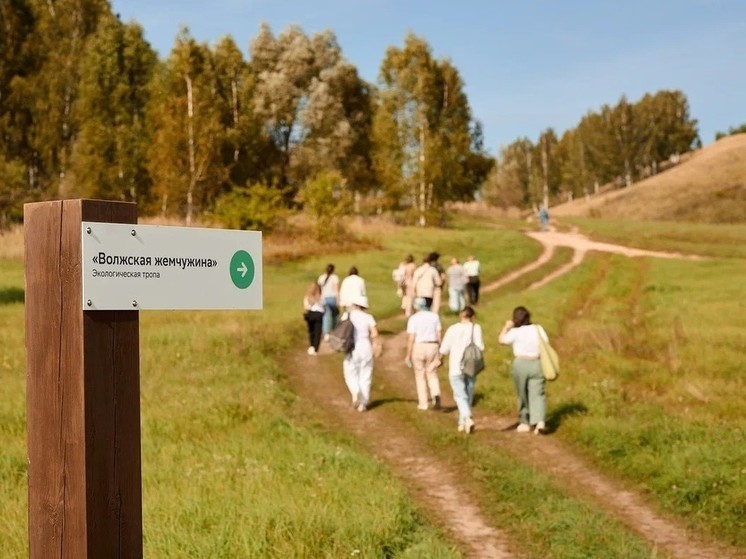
{"points": [[434, 483]]}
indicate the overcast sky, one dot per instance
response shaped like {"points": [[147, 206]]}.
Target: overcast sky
{"points": [[527, 64]]}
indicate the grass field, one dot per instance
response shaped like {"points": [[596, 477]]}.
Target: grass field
{"points": [[229, 470], [651, 392]]}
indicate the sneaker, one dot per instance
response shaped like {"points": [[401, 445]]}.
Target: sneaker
{"points": [[422, 408], [362, 407], [468, 425], [540, 428], [523, 428], [326, 337], [460, 428], [436, 402], [311, 350]]}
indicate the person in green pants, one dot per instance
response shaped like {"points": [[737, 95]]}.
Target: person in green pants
{"points": [[527, 375]]}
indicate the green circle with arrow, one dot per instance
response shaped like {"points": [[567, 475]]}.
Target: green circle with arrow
{"points": [[242, 269]]}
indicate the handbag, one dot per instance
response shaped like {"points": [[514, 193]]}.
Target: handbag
{"points": [[550, 367]]}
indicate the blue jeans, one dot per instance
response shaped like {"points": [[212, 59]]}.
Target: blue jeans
{"points": [[456, 299], [331, 312], [463, 394]]}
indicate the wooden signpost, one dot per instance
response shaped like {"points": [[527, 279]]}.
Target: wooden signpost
{"points": [[87, 276], [83, 396]]}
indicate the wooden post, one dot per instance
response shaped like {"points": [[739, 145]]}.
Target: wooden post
{"points": [[83, 395]]}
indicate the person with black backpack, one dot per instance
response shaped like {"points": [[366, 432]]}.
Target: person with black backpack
{"points": [[464, 344]]}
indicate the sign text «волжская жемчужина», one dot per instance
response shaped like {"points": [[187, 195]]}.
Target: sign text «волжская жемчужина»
{"points": [[158, 267]]}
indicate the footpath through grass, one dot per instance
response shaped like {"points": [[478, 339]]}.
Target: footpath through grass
{"points": [[652, 382], [228, 470], [651, 391]]}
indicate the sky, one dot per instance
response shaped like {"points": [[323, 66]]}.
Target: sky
{"points": [[527, 65]]}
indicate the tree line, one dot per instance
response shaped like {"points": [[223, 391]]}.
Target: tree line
{"points": [[87, 109], [619, 145]]}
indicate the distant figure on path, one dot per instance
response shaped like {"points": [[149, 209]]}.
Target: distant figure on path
{"points": [[544, 217], [456, 283], [527, 375], [454, 343], [352, 286], [329, 284], [408, 288], [424, 333], [438, 291], [471, 267], [358, 364], [313, 314]]}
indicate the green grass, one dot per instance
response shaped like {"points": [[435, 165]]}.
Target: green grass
{"points": [[651, 391], [720, 241], [652, 378], [230, 467]]}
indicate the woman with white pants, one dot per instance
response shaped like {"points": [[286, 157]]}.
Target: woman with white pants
{"points": [[358, 364], [456, 338]]}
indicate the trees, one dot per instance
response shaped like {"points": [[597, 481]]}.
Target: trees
{"points": [[109, 155], [313, 106], [184, 158], [422, 133], [622, 143]]}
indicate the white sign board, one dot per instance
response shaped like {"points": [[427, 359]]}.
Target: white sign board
{"points": [[132, 267]]}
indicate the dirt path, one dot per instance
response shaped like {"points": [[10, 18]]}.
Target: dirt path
{"points": [[435, 484]]}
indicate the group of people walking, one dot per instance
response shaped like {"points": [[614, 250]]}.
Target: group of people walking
{"points": [[427, 345], [428, 280]]}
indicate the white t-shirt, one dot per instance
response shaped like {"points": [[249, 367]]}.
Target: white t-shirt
{"points": [[456, 276], [351, 287], [455, 341], [471, 267], [525, 340], [425, 325], [363, 322], [330, 288]]}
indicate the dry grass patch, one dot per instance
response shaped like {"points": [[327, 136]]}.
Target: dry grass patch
{"points": [[710, 187]]}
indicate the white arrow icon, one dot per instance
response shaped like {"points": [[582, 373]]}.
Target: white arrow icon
{"points": [[243, 269]]}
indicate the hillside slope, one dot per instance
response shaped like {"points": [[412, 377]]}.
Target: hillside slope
{"points": [[710, 187]]}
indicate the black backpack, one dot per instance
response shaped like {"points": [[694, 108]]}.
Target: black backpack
{"points": [[472, 362], [342, 336]]}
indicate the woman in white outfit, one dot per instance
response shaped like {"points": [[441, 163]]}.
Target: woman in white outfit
{"points": [[358, 364], [456, 338], [527, 375], [352, 286]]}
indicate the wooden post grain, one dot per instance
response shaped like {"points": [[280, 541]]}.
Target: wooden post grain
{"points": [[83, 396]]}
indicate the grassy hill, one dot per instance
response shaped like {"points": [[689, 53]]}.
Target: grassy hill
{"points": [[710, 187]]}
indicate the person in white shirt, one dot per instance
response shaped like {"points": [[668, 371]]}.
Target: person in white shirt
{"points": [[313, 314], [424, 332], [329, 284], [471, 268], [352, 286], [454, 343], [527, 375], [358, 364]]}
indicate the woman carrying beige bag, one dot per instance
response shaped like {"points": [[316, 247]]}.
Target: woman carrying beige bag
{"points": [[527, 375]]}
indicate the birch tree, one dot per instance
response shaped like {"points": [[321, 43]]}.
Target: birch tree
{"points": [[184, 159]]}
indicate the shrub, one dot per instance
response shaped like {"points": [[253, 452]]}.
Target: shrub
{"points": [[326, 200], [254, 207]]}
